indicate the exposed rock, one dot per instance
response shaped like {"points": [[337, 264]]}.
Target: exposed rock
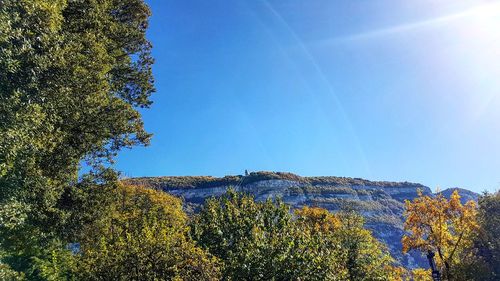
{"points": [[465, 195]]}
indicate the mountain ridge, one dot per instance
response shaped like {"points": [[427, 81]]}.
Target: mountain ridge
{"points": [[203, 181]]}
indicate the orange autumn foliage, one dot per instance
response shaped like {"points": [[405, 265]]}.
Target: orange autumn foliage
{"points": [[443, 226]]}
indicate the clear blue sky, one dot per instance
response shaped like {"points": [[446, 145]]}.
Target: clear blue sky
{"points": [[378, 89]]}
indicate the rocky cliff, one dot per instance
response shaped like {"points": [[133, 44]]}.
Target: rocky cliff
{"points": [[381, 203]]}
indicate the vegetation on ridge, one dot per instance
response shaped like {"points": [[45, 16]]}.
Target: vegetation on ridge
{"points": [[173, 182]]}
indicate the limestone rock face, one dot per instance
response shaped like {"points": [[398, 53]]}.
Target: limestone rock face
{"points": [[381, 203]]}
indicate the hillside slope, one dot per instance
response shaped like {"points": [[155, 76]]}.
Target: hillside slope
{"points": [[381, 203]]}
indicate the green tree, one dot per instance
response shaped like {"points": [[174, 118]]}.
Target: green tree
{"points": [[252, 239], [366, 257], [485, 265], [73, 75], [145, 238], [264, 241]]}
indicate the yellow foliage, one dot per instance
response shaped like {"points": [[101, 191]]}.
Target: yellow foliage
{"points": [[443, 226], [146, 231], [396, 273], [420, 274], [318, 219]]}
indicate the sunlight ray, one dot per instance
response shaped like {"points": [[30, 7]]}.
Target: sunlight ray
{"points": [[483, 10]]}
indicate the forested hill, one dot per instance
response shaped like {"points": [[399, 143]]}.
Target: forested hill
{"points": [[380, 202]]}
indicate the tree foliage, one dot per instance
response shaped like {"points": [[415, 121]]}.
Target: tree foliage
{"points": [[73, 74], [443, 226], [252, 239], [264, 241], [145, 238], [342, 249], [485, 265]]}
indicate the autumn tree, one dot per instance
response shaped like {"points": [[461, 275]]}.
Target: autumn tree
{"points": [[317, 250], [144, 238], [341, 247], [446, 227]]}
